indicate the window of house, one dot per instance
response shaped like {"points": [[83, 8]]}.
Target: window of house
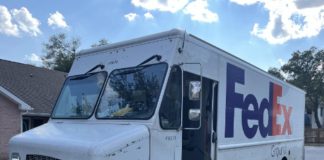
{"points": [[30, 122]]}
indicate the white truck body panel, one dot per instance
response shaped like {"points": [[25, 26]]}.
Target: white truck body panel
{"points": [[269, 147], [214, 64], [257, 116], [81, 141]]}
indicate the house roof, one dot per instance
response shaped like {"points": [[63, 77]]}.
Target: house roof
{"points": [[21, 104], [37, 87]]}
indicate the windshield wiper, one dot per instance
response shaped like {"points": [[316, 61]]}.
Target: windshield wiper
{"points": [[138, 68], [95, 67], [81, 77], [157, 57], [86, 75], [129, 71]]}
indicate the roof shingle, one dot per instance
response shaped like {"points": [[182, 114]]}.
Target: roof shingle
{"points": [[38, 87]]}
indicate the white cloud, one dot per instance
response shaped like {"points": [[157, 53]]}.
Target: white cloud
{"points": [[309, 4], [18, 20], [148, 15], [131, 16], [33, 59], [161, 5], [6, 25], [57, 20], [25, 21], [198, 10], [245, 2], [290, 19], [320, 66], [281, 62]]}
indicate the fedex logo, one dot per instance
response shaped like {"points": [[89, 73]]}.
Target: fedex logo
{"points": [[235, 100]]}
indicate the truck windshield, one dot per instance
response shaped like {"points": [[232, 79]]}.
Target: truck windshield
{"points": [[79, 96], [132, 93]]}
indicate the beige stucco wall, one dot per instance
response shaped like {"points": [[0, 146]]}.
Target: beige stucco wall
{"points": [[10, 124]]}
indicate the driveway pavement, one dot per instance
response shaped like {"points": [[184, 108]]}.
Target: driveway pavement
{"points": [[314, 153]]}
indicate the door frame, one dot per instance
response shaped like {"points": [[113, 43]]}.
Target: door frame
{"points": [[213, 148]]}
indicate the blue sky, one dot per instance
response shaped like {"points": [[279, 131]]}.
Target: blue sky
{"points": [[262, 32]]}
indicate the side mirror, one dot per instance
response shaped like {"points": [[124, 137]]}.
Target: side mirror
{"points": [[194, 90], [194, 114]]}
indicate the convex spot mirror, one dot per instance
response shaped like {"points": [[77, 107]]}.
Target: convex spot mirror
{"points": [[194, 90], [194, 114]]}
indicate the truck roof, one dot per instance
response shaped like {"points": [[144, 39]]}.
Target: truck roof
{"points": [[168, 34], [173, 32]]}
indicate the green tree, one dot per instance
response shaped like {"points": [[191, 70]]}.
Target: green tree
{"points": [[306, 70], [60, 52], [276, 72], [101, 42]]}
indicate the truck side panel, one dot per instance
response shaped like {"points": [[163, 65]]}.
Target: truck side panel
{"points": [[258, 113], [259, 116]]}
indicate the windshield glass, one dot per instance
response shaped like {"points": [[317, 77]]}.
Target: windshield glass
{"points": [[132, 93], [79, 96]]}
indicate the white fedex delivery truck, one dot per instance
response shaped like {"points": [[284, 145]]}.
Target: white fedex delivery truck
{"points": [[168, 96]]}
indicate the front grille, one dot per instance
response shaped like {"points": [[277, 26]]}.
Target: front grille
{"points": [[39, 157]]}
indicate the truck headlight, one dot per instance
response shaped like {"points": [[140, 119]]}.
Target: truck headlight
{"points": [[15, 156]]}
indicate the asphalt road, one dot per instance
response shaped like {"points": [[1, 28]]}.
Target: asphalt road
{"points": [[314, 153]]}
